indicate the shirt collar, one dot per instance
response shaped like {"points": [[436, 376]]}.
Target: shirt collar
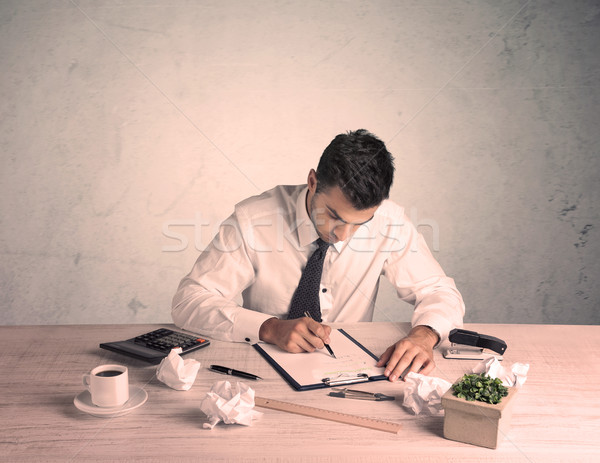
{"points": [[306, 230]]}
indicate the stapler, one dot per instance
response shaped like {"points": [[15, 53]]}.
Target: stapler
{"points": [[470, 345]]}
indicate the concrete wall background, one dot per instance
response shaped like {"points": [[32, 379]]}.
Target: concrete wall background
{"points": [[129, 128]]}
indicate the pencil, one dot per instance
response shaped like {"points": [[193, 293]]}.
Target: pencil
{"points": [[306, 314]]}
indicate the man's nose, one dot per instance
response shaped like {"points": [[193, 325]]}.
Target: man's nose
{"points": [[342, 232]]}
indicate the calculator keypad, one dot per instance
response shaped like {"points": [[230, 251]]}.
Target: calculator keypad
{"points": [[163, 340]]}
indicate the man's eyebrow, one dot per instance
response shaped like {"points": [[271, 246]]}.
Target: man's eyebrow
{"points": [[336, 215]]}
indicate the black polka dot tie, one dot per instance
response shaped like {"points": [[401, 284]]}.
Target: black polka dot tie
{"points": [[306, 297]]}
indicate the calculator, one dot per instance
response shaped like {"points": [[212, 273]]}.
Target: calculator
{"points": [[152, 347]]}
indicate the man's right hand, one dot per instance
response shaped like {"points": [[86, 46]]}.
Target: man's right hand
{"points": [[297, 335]]}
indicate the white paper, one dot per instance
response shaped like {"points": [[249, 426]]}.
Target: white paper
{"points": [[232, 404], [311, 368], [515, 376], [423, 394], [177, 373]]}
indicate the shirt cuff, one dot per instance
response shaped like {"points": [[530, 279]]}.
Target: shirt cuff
{"points": [[247, 325]]}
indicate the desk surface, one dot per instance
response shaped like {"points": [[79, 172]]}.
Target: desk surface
{"points": [[556, 415]]}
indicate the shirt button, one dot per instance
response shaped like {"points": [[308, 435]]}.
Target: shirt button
{"points": [[247, 339], [324, 290]]}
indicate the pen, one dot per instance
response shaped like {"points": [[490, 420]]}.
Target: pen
{"points": [[306, 314], [232, 372]]}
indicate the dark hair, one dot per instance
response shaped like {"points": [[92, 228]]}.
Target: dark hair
{"points": [[359, 163]]}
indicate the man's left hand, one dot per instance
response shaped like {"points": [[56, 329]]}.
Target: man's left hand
{"points": [[414, 351]]}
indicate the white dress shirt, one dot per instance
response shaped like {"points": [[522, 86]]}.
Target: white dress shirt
{"points": [[250, 270]]}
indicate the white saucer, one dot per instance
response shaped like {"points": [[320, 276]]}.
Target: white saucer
{"points": [[137, 398]]}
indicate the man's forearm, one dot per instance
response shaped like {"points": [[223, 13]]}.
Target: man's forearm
{"points": [[426, 334], [266, 332]]}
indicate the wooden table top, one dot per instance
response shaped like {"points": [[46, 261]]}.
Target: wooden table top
{"points": [[556, 415]]}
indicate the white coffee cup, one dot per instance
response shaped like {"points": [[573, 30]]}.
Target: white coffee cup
{"points": [[108, 385]]}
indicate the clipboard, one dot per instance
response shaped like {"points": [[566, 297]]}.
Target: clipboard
{"points": [[316, 370]]}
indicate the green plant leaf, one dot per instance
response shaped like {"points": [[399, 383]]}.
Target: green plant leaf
{"points": [[480, 387]]}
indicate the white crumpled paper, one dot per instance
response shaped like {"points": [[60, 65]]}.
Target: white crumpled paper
{"points": [[177, 373], [515, 376], [423, 394], [230, 404]]}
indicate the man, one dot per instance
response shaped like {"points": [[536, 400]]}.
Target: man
{"points": [[261, 250]]}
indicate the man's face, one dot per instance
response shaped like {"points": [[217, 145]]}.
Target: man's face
{"points": [[333, 216]]}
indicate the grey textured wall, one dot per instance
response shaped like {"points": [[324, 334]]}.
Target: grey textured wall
{"points": [[130, 129]]}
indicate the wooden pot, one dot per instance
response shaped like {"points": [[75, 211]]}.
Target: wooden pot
{"points": [[475, 422]]}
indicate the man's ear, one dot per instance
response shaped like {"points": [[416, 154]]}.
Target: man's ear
{"points": [[312, 180]]}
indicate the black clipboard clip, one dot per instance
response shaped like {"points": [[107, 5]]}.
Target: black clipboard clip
{"points": [[344, 378], [470, 345]]}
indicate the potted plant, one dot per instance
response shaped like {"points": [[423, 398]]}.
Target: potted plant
{"points": [[477, 410]]}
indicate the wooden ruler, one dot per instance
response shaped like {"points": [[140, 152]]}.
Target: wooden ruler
{"points": [[305, 410]]}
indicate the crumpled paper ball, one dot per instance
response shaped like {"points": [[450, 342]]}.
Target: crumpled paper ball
{"points": [[232, 404], [515, 376], [177, 373], [423, 394]]}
